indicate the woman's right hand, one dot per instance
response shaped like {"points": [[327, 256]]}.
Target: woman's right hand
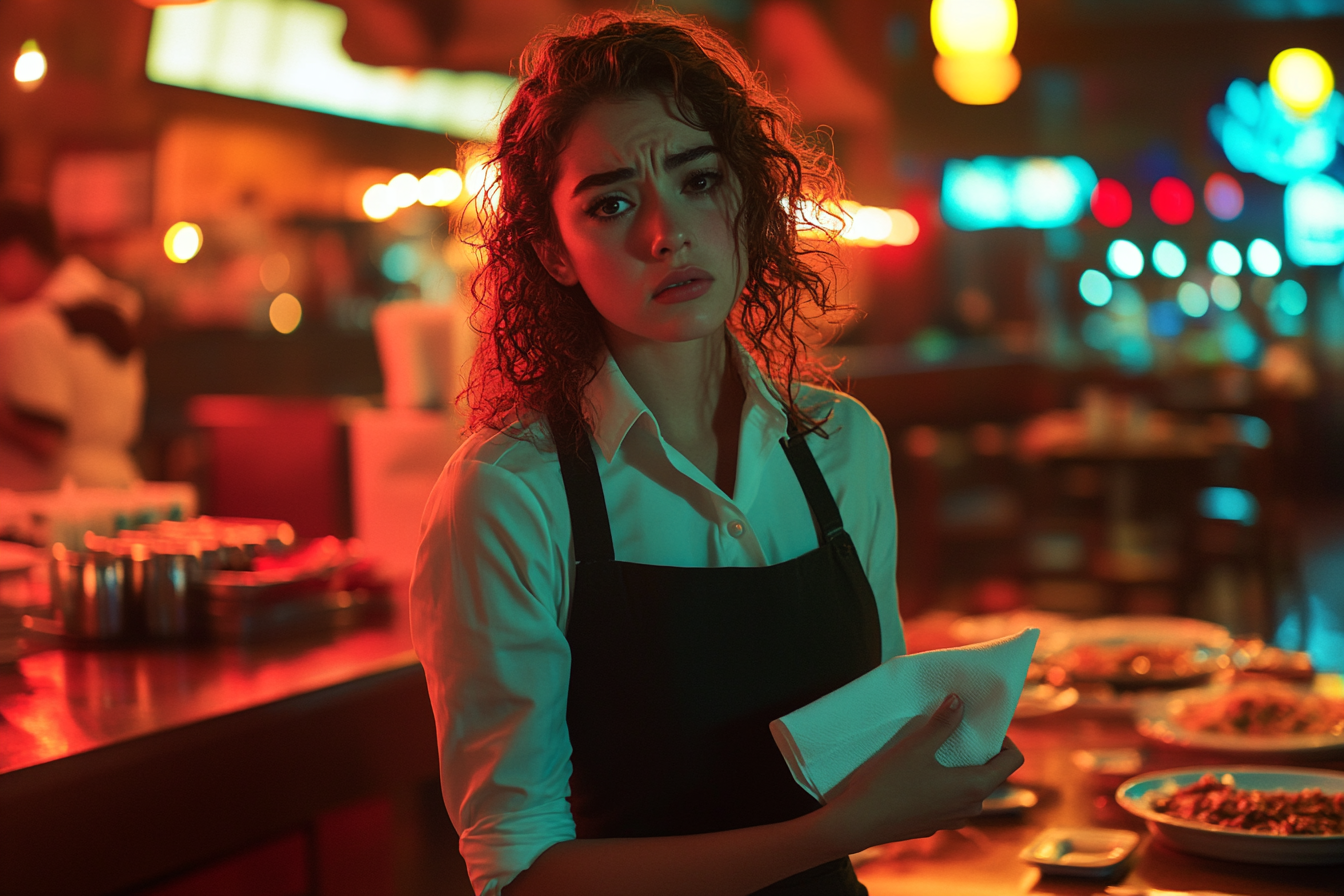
{"points": [[904, 792]]}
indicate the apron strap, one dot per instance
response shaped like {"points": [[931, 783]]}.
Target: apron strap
{"points": [[583, 491], [815, 489]]}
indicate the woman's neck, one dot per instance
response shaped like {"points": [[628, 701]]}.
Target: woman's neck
{"points": [[693, 392]]}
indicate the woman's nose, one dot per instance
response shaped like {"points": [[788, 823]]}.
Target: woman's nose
{"points": [[668, 230]]}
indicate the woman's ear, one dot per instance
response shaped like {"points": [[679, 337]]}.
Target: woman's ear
{"points": [[556, 262]]}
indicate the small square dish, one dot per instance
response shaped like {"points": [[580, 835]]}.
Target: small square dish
{"points": [[1084, 852]]}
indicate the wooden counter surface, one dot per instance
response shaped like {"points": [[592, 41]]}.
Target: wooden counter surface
{"points": [[122, 765]]}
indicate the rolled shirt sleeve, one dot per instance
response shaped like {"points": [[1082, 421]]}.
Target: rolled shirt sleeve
{"points": [[486, 624]]}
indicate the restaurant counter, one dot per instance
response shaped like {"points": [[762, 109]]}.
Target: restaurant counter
{"points": [[123, 765], [119, 766]]}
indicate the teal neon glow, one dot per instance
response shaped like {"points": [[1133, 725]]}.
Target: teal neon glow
{"points": [[401, 263], [1192, 298], [1263, 258], [1225, 258], [1290, 298], [1168, 259], [1238, 340], [1252, 430], [1098, 330], [1124, 259], [1313, 221], [1035, 192], [1234, 504], [289, 52], [1095, 288], [1262, 136]]}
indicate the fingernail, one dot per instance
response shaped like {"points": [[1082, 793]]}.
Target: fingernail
{"points": [[953, 702]]}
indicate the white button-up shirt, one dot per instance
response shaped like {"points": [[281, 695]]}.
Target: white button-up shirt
{"points": [[490, 595]]}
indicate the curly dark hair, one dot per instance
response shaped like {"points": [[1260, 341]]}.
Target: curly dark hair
{"points": [[541, 340]]}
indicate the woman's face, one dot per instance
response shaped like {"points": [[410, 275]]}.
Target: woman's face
{"points": [[644, 207]]}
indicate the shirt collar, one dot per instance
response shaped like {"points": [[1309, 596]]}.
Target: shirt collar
{"points": [[616, 406]]}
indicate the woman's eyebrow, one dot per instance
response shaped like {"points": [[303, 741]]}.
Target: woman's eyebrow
{"points": [[672, 162]]}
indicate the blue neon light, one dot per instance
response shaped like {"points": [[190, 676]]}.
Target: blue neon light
{"points": [[1235, 504], [1261, 136], [1313, 221], [1165, 319], [1036, 192]]}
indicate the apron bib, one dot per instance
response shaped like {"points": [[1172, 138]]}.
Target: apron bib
{"points": [[677, 673]]}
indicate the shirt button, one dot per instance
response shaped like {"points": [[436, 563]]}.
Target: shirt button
{"points": [[735, 528]]}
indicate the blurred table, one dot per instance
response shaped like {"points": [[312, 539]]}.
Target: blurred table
{"points": [[982, 859], [120, 765]]}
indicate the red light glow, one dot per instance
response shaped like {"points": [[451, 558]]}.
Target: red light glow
{"points": [[1172, 201], [1111, 205], [1223, 196]]}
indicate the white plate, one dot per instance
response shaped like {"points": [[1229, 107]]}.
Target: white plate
{"points": [[1087, 852], [1055, 628], [1043, 699], [1237, 846], [1158, 716]]}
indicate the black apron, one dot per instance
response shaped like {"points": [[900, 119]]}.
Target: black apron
{"points": [[677, 673]]}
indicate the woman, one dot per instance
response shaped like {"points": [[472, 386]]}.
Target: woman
{"points": [[643, 554]]}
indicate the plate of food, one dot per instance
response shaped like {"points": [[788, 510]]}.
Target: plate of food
{"points": [[1245, 718], [1143, 651], [1262, 814]]}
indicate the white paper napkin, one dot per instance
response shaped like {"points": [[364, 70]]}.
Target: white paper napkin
{"points": [[833, 735]]}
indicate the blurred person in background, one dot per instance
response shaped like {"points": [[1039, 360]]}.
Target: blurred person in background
{"points": [[71, 377]]}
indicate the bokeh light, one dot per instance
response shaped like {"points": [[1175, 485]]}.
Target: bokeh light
{"points": [[274, 271], [1165, 319], [1192, 299], [1095, 287], [440, 187], [1313, 220], [1290, 298], [401, 263], [1124, 259], [31, 66], [904, 227], [182, 241], [1301, 79], [285, 313], [1263, 258], [980, 80], [973, 27], [1225, 292], [378, 202], [1172, 201], [405, 189], [1168, 259], [1223, 196], [1225, 258], [1111, 205]]}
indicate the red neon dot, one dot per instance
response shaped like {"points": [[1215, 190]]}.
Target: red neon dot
{"points": [[1172, 201], [1223, 196], [1111, 205]]}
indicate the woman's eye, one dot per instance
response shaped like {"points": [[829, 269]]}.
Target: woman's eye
{"points": [[608, 207], [703, 181]]}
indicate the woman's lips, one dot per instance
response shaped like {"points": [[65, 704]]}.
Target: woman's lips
{"points": [[683, 286]]}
